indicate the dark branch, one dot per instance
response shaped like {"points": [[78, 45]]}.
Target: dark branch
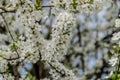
{"points": [[6, 11]]}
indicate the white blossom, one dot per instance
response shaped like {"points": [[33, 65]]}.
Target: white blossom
{"points": [[6, 77], [113, 61], [116, 36], [83, 6], [117, 23], [29, 45]]}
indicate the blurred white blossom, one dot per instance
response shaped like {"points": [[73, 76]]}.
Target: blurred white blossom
{"points": [[113, 61], [116, 36], [117, 23]]}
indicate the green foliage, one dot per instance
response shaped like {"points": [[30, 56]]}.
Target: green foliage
{"points": [[13, 18], [69, 65], [0, 55], [29, 77], [74, 5], [118, 76], [13, 47], [38, 5], [115, 76], [91, 1], [7, 71]]}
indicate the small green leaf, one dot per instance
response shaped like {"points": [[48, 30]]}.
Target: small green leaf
{"points": [[17, 5], [13, 18], [7, 71], [29, 76], [74, 4], [114, 77], [13, 47], [118, 76], [1, 55], [91, 1], [38, 5]]}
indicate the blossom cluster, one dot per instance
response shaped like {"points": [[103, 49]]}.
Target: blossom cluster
{"points": [[24, 21], [116, 36], [29, 46], [83, 6], [114, 61]]}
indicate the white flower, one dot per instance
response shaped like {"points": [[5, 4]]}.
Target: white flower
{"points": [[113, 61], [14, 2], [116, 36], [117, 23], [81, 6], [111, 73], [6, 77]]}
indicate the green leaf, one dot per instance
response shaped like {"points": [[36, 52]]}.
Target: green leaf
{"points": [[29, 76], [17, 5], [114, 77], [7, 71], [74, 4], [38, 5], [118, 76], [1, 55], [13, 18], [13, 47], [91, 1]]}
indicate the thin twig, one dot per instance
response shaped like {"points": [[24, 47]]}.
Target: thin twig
{"points": [[48, 6], [7, 27], [7, 11], [10, 59]]}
